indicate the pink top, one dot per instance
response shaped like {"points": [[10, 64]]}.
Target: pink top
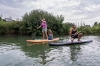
{"points": [[44, 24]]}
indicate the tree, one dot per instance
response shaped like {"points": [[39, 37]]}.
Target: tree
{"points": [[32, 20], [96, 23], [0, 18]]}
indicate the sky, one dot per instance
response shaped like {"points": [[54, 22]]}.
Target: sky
{"points": [[75, 11]]}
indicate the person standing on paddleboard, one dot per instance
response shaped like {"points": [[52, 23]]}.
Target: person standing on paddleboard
{"points": [[74, 33], [44, 28]]}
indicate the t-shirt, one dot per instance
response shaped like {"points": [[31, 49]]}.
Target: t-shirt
{"points": [[44, 24]]}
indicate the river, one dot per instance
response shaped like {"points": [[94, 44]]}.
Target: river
{"points": [[15, 51]]}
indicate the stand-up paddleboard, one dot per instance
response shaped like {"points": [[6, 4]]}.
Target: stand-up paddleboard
{"points": [[40, 41], [69, 43]]}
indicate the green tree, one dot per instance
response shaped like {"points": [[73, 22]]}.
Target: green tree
{"points": [[32, 20], [0, 18]]}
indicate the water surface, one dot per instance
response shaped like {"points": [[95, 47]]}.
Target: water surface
{"points": [[15, 51]]}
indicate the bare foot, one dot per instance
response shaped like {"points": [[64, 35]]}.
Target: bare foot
{"points": [[72, 39], [79, 40]]}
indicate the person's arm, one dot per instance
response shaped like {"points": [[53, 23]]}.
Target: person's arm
{"points": [[39, 27], [70, 32]]}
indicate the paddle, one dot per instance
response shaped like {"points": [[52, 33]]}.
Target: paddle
{"points": [[34, 35]]}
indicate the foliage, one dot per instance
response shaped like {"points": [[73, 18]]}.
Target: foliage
{"points": [[33, 20], [95, 29], [12, 28], [0, 18], [86, 29], [66, 28]]}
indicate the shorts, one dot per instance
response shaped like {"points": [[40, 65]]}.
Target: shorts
{"points": [[50, 37], [44, 29], [74, 36]]}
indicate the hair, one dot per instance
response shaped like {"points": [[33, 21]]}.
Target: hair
{"points": [[43, 19], [73, 25], [50, 31]]}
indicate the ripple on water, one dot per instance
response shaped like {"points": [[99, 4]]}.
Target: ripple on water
{"points": [[18, 54]]}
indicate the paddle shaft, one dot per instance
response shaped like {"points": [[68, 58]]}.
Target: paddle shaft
{"points": [[34, 34]]}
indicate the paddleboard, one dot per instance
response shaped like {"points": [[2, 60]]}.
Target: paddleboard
{"points": [[40, 41], [69, 43]]}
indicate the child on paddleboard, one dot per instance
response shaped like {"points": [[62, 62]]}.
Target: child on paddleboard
{"points": [[50, 34], [44, 28]]}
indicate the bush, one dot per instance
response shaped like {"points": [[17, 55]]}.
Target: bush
{"points": [[32, 20]]}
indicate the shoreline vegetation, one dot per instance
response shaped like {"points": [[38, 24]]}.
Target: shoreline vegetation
{"points": [[30, 22]]}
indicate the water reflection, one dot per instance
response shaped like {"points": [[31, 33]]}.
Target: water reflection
{"points": [[41, 53], [75, 49], [20, 53]]}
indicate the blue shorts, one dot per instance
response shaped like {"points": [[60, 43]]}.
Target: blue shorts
{"points": [[50, 37]]}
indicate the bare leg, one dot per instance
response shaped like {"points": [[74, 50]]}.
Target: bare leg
{"points": [[72, 39], [43, 35], [46, 35], [79, 36]]}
